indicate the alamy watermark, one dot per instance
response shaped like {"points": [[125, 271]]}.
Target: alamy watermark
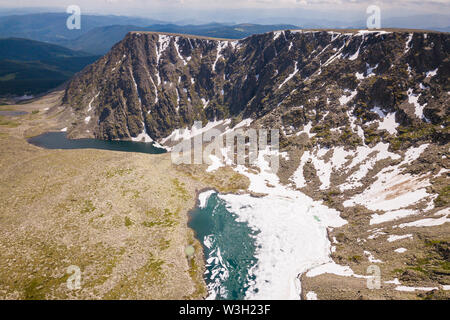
{"points": [[374, 20], [233, 147], [374, 281], [74, 280], [74, 20]]}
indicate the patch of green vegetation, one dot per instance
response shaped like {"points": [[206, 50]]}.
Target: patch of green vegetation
{"points": [[422, 261], [33, 291], [430, 243], [322, 131], [135, 194], [128, 222], [445, 265], [164, 244], [154, 266], [88, 207], [35, 112], [180, 189], [348, 137], [117, 172], [150, 274], [163, 218], [8, 123], [196, 273], [37, 288], [371, 136], [328, 198], [443, 197], [355, 258], [411, 134], [419, 269]]}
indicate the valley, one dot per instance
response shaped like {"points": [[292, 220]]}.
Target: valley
{"points": [[363, 179]]}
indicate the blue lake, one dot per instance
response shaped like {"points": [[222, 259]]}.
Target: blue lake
{"points": [[59, 140], [229, 249]]}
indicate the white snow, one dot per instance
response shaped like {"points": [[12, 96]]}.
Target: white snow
{"points": [[431, 73], [394, 237], [203, 198], [311, 295], [323, 169], [355, 127], [220, 46], [378, 111], [276, 35], [429, 222], [163, 44], [359, 76], [366, 163], [216, 163], [156, 90], [292, 232], [90, 103], [412, 289], [332, 268], [407, 46], [87, 119], [356, 54], [64, 129], [395, 281], [306, 129], [389, 124], [290, 76], [371, 257], [186, 133], [343, 100], [135, 86], [391, 216], [143, 136], [370, 70], [366, 31], [205, 103], [298, 178], [177, 48], [337, 55], [400, 250], [414, 99], [394, 190]]}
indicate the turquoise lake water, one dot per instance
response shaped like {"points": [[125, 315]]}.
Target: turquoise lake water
{"points": [[229, 248]]}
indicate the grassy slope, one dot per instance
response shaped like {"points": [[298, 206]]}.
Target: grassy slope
{"points": [[120, 217]]}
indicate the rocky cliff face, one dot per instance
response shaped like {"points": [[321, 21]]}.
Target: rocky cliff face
{"points": [[150, 84]]}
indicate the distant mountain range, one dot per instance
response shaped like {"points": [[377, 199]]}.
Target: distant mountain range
{"points": [[51, 27], [28, 66], [32, 67], [100, 40]]}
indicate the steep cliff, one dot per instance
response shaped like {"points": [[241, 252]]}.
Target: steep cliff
{"points": [[153, 83]]}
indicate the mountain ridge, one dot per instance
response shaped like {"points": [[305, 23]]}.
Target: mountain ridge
{"points": [[209, 59]]}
